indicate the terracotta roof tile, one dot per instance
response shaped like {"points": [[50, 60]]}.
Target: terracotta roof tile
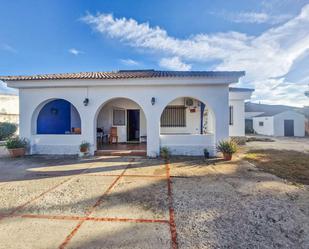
{"points": [[125, 74]]}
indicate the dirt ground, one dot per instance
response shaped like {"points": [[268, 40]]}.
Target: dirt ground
{"points": [[127, 202]]}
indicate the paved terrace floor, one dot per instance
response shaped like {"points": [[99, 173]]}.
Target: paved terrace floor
{"points": [[132, 202]]}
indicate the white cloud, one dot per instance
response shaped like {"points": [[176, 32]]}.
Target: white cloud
{"points": [[8, 48], [129, 62], [174, 63], [254, 17], [75, 52], [266, 58]]}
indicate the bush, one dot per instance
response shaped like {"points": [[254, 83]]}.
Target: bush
{"points": [[7, 130], [165, 152], [16, 142], [227, 147]]}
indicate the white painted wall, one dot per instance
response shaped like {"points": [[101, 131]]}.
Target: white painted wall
{"points": [[33, 95], [188, 144], [237, 100], [268, 127], [237, 129], [299, 123], [105, 117]]}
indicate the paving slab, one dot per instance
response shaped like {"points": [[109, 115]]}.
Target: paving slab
{"points": [[72, 198], [14, 194], [153, 167], [95, 235], [136, 198], [33, 233]]}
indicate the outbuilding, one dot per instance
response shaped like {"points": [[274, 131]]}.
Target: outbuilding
{"points": [[286, 123]]}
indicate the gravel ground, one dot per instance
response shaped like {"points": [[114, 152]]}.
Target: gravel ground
{"points": [[236, 206], [217, 204], [282, 143]]}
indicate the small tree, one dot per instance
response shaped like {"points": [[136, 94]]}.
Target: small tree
{"points": [[7, 130]]}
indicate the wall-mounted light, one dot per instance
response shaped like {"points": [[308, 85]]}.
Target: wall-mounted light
{"points": [[86, 101], [153, 100]]}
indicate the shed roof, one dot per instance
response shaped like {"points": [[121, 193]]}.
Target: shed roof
{"points": [[269, 110]]}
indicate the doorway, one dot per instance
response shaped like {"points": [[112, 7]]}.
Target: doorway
{"points": [[133, 125], [288, 128]]}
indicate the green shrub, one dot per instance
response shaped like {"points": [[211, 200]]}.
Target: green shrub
{"points": [[16, 142], [7, 130], [227, 147], [165, 152]]}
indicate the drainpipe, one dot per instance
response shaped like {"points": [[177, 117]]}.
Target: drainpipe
{"points": [[202, 116]]}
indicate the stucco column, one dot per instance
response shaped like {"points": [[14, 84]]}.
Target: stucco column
{"points": [[88, 127], [153, 134]]}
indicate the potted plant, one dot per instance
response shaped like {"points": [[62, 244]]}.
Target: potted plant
{"points": [[227, 148], [206, 153], [165, 152], [16, 146], [84, 147]]}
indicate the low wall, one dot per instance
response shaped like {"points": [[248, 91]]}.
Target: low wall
{"points": [[55, 144], [188, 144]]}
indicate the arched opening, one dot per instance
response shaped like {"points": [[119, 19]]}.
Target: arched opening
{"points": [[121, 125], [187, 127], [58, 116]]}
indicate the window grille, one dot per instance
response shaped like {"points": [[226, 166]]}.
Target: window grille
{"points": [[174, 116]]}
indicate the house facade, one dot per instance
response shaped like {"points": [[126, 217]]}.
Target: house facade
{"points": [[184, 111]]}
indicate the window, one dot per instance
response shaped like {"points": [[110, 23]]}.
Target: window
{"points": [[174, 116], [231, 117], [118, 117], [261, 123]]}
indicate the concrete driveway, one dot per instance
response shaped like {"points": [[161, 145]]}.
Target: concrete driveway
{"points": [[115, 202]]}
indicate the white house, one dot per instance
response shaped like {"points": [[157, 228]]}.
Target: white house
{"points": [[287, 123], [275, 120], [146, 109]]}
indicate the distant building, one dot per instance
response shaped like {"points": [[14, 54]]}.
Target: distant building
{"points": [[9, 108], [276, 120]]}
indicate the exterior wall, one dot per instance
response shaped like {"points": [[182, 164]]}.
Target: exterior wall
{"points": [[237, 129], [190, 145], [214, 96], [299, 123], [237, 100], [105, 117], [267, 129], [9, 108]]}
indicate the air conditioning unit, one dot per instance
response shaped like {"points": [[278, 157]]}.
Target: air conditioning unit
{"points": [[189, 102]]}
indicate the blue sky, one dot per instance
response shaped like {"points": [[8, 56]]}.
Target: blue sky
{"points": [[267, 39]]}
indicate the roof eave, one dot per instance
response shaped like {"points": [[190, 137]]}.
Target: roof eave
{"points": [[160, 81]]}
